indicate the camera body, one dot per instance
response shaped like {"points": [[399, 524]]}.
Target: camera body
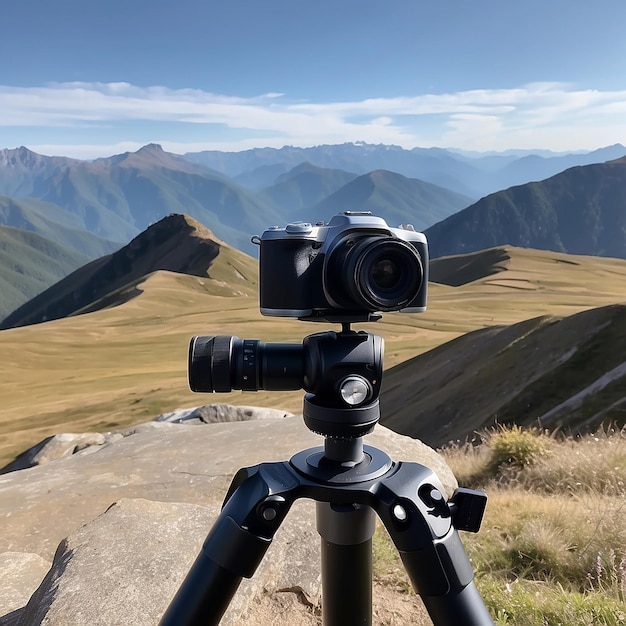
{"points": [[348, 269]]}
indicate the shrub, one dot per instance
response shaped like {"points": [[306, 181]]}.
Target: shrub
{"points": [[515, 448]]}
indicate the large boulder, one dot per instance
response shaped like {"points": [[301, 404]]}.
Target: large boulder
{"points": [[95, 580], [166, 482]]}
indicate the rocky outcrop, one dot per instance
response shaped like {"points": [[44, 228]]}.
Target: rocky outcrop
{"points": [[123, 521], [66, 444]]}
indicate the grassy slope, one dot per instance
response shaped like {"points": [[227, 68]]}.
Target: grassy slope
{"points": [[126, 364], [513, 373]]}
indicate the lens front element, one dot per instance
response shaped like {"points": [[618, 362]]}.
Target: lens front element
{"points": [[375, 273]]}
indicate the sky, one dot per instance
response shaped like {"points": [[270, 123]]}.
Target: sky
{"points": [[87, 78]]}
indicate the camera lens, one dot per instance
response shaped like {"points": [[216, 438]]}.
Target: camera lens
{"points": [[377, 273], [386, 274], [223, 363]]}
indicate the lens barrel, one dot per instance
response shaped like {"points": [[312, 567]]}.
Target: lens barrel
{"points": [[222, 363], [374, 273]]}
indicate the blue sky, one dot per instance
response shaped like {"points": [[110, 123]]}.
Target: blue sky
{"points": [[86, 79]]}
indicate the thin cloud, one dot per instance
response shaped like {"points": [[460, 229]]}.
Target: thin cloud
{"points": [[538, 115]]}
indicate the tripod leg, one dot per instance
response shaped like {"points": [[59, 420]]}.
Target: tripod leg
{"points": [[346, 532], [411, 505], [204, 596], [235, 545]]}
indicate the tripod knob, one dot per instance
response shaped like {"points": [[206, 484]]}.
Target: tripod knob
{"points": [[434, 500], [467, 507]]}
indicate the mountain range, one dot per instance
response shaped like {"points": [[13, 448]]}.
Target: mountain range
{"points": [[116, 198], [93, 208], [470, 174]]}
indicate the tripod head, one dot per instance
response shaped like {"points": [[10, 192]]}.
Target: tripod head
{"points": [[340, 372]]}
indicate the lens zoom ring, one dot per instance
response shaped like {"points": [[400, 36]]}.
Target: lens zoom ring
{"points": [[220, 364]]}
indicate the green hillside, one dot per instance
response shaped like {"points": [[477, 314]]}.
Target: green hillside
{"points": [[120, 196], [176, 243], [28, 264], [54, 223], [580, 211], [303, 187]]}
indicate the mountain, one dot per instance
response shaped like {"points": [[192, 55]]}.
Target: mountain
{"points": [[40, 243], [21, 169], [397, 199], [127, 360], [534, 167], [473, 175], [118, 197], [176, 243], [556, 373], [88, 207], [579, 211], [302, 187], [439, 167], [53, 223], [28, 264]]}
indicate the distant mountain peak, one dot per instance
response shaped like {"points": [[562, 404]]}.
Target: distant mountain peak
{"points": [[179, 224], [23, 158], [151, 148], [149, 156]]}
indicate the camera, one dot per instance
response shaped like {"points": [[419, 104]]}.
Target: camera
{"points": [[348, 269]]}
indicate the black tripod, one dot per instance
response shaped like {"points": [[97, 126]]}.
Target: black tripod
{"points": [[349, 482]]}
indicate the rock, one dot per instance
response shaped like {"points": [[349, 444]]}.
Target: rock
{"points": [[96, 580], [41, 505], [66, 444], [184, 470], [20, 574], [214, 413], [53, 448]]}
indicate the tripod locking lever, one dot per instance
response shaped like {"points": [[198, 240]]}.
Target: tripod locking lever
{"points": [[467, 507]]}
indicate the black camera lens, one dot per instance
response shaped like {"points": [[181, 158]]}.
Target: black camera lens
{"points": [[386, 274], [374, 273], [222, 363]]}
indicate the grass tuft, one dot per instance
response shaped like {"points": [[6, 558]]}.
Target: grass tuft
{"points": [[552, 547]]}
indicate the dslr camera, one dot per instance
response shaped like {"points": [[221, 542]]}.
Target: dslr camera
{"points": [[346, 270]]}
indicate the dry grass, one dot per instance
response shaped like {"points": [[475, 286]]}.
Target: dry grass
{"points": [[552, 548], [553, 542], [125, 364]]}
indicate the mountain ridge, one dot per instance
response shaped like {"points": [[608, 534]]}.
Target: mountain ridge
{"points": [[580, 211], [176, 243], [471, 175], [555, 373]]}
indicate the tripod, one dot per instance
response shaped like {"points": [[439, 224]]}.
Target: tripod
{"points": [[349, 481]]}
